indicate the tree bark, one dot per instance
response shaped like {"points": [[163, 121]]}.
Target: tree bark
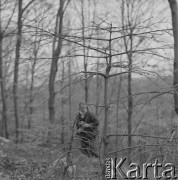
{"points": [[128, 43], [97, 88], [84, 54], [70, 93], [105, 128], [4, 131], [36, 47], [97, 96], [62, 105], [117, 111], [54, 63], [106, 79], [16, 69], [130, 108], [174, 11]]}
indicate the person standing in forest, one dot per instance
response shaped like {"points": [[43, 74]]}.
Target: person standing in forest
{"points": [[87, 130]]}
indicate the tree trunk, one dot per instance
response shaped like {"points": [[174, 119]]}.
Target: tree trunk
{"points": [[56, 51], [106, 79], [84, 54], [128, 43], [35, 52], [25, 106], [4, 131], [97, 89], [117, 111], [31, 90], [62, 105], [16, 69], [174, 11], [54, 63], [105, 128], [130, 108], [70, 94], [97, 79], [129, 99]]}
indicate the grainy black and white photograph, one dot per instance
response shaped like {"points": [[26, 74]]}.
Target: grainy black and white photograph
{"points": [[88, 89]]}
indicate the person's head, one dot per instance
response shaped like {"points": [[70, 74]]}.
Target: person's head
{"points": [[83, 108]]}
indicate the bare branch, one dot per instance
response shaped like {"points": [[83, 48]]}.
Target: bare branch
{"points": [[94, 73], [136, 147], [27, 6]]}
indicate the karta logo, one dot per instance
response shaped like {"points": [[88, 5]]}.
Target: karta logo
{"points": [[114, 169]]}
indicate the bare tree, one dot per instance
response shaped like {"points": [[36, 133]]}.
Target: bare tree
{"points": [[128, 44], [85, 17], [62, 118], [35, 51], [132, 18], [174, 11], [97, 79], [21, 10], [85, 61], [117, 109], [4, 131], [107, 55], [56, 51], [16, 68], [70, 91]]}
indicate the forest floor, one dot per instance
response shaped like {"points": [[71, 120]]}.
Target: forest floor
{"points": [[36, 162]]}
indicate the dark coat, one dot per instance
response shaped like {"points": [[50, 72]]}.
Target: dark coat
{"points": [[90, 119]]}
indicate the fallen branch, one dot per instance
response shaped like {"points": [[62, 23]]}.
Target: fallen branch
{"points": [[4, 140]]}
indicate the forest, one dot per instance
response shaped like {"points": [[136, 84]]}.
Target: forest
{"points": [[118, 57]]}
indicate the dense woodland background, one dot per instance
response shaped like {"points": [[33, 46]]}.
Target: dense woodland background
{"points": [[115, 55]]}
